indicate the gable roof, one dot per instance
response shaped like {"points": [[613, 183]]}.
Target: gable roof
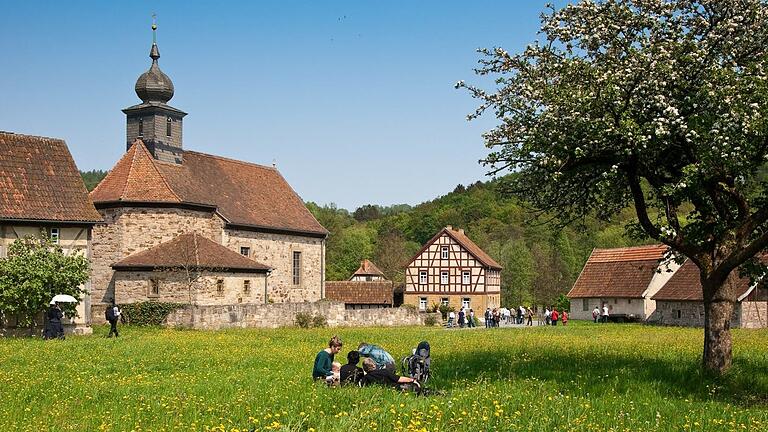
{"points": [[190, 250], [367, 268], [360, 292], [618, 273], [39, 181], [244, 194], [685, 285], [466, 243]]}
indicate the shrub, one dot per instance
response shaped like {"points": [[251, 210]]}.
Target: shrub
{"points": [[430, 320], [148, 313], [445, 309], [303, 319], [319, 321]]}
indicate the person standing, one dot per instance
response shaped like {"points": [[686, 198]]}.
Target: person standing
{"points": [[564, 318], [605, 313], [54, 315], [547, 316], [529, 312], [451, 319], [324, 359], [596, 313], [555, 316], [487, 317], [462, 316], [471, 320], [112, 314]]}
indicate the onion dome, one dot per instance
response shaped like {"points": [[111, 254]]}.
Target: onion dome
{"points": [[153, 85]]}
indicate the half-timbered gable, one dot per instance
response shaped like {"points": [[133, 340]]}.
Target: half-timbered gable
{"points": [[451, 269]]}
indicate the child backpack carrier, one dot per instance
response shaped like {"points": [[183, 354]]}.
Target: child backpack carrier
{"points": [[417, 365]]}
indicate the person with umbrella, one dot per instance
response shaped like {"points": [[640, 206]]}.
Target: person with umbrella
{"points": [[54, 328]]}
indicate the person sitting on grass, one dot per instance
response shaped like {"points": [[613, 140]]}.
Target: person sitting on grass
{"points": [[350, 373], [373, 375], [324, 359]]}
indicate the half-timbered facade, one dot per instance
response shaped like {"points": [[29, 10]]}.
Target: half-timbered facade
{"points": [[451, 269]]}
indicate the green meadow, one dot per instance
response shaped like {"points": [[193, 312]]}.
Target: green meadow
{"points": [[583, 377]]}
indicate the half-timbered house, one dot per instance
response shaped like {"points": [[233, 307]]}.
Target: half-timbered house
{"points": [[451, 269]]}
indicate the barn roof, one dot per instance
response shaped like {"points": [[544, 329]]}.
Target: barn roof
{"points": [[360, 292], [685, 285], [618, 273], [367, 268]]}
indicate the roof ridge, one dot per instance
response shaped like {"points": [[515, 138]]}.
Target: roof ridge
{"points": [[657, 245], [31, 136], [232, 160]]}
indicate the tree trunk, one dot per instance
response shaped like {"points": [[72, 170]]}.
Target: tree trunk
{"points": [[718, 346]]}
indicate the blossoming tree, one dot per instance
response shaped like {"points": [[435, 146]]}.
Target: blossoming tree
{"points": [[660, 104]]}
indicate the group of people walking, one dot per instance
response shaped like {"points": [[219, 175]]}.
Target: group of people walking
{"points": [[552, 317], [466, 318], [602, 315]]}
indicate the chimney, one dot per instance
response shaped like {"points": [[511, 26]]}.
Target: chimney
{"points": [[461, 231], [449, 227]]}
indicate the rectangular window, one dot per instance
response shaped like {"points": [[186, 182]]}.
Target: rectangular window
{"points": [[443, 278], [585, 305], [55, 235], [220, 286], [296, 267], [423, 277], [444, 301], [154, 287], [245, 251], [615, 301], [168, 127], [679, 313], [246, 286], [466, 301], [141, 127], [629, 301], [465, 277], [444, 252], [422, 303]]}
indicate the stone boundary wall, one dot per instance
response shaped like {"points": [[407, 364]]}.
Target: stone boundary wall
{"points": [[215, 317]]}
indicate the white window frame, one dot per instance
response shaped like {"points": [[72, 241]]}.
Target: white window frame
{"points": [[296, 267], [55, 235], [445, 253], [422, 303], [466, 277], [466, 302], [445, 277], [445, 301], [246, 249], [423, 277]]}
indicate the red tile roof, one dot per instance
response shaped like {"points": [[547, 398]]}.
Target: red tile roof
{"points": [[367, 268], [685, 285], [39, 181], [190, 250], [360, 292], [466, 243], [244, 194], [618, 273]]}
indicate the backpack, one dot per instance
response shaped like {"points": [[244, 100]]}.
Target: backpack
{"points": [[109, 313]]}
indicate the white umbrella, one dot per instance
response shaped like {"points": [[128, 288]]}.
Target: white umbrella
{"points": [[64, 298]]}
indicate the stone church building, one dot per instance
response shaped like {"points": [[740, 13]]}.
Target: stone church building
{"points": [[190, 227]]}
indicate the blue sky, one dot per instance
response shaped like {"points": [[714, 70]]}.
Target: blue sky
{"points": [[354, 101]]}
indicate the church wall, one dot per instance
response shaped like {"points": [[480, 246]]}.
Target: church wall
{"points": [[128, 230], [176, 287], [276, 251]]}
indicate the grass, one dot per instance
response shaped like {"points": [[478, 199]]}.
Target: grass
{"points": [[583, 377]]}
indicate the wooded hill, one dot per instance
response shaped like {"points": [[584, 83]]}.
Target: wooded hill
{"points": [[540, 260]]}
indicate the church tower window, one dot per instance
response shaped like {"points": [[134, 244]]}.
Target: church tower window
{"points": [[168, 127], [141, 127]]}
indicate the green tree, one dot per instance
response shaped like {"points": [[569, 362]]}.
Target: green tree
{"points": [[367, 212], [662, 104], [34, 271], [351, 245], [92, 178]]}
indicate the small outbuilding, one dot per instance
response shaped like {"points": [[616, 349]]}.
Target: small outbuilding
{"points": [[680, 302], [367, 288]]}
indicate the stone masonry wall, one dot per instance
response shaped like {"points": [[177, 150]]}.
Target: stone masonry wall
{"points": [[283, 315], [754, 314], [691, 314], [129, 230], [477, 302], [178, 287], [276, 251]]}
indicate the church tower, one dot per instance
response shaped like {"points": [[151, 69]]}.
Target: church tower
{"points": [[153, 121]]}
